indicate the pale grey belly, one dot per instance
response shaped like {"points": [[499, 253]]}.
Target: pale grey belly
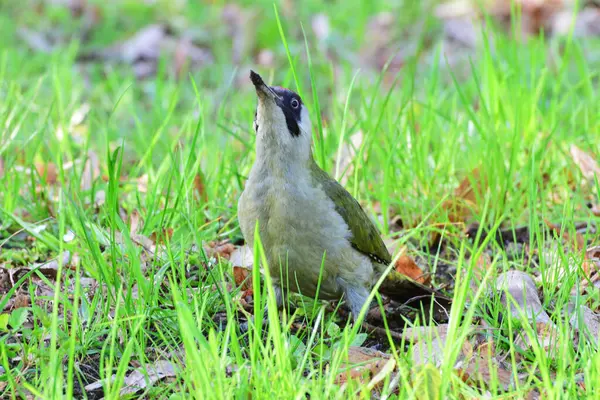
{"points": [[298, 229]]}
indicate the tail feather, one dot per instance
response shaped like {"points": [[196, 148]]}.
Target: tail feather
{"points": [[405, 290]]}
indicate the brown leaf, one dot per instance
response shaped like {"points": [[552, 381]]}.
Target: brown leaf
{"points": [[578, 242], [459, 207], [586, 163], [366, 366], [48, 172], [222, 249], [200, 187], [134, 222], [160, 239], [242, 277], [141, 378], [407, 266], [480, 370]]}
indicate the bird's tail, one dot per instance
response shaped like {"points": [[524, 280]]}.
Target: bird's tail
{"points": [[403, 289]]}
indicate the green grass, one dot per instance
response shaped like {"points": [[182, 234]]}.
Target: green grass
{"points": [[513, 118]]}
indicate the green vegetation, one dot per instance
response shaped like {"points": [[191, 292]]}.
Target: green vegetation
{"points": [[132, 177]]}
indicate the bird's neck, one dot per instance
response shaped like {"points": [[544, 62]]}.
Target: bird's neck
{"points": [[277, 158]]}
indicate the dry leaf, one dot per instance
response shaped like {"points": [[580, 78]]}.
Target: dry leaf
{"points": [[48, 172], [140, 378], [427, 343], [585, 321], [366, 366], [134, 222], [459, 207], [242, 277], [520, 296], [407, 266], [144, 49], [223, 249], [242, 257], [578, 242], [200, 187], [480, 370], [586, 163], [160, 239]]}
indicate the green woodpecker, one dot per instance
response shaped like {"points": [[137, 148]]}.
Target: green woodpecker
{"points": [[307, 220]]}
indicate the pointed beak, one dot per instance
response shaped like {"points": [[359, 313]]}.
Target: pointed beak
{"points": [[263, 90]]}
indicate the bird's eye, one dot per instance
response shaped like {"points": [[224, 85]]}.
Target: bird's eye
{"points": [[295, 103]]}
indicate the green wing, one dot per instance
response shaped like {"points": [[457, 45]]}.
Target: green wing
{"points": [[365, 236]]}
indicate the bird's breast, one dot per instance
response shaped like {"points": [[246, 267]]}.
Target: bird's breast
{"points": [[299, 228]]}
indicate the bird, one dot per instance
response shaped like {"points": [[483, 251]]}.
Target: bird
{"points": [[318, 240]]}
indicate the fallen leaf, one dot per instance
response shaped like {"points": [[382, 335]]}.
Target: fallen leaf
{"points": [[157, 239], [520, 296], [144, 49], [586, 163], [366, 366], [48, 172], [134, 222], [242, 277], [585, 321], [144, 45], [407, 266], [187, 55], [242, 257], [481, 371], [427, 343], [221, 249], [140, 378], [200, 187], [460, 206]]}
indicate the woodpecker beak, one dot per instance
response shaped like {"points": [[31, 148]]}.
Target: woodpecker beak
{"points": [[262, 89]]}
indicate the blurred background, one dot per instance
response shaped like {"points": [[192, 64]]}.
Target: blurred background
{"points": [[85, 77]]}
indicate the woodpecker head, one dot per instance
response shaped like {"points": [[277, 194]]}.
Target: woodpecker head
{"points": [[281, 121]]}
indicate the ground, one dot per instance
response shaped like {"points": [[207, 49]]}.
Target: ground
{"points": [[473, 143]]}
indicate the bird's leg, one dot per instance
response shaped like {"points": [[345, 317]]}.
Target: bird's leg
{"points": [[356, 296], [278, 301]]}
